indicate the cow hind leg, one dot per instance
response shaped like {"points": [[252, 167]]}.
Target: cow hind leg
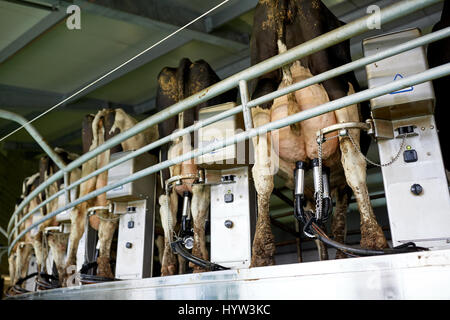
{"points": [[168, 221], [40, 252], [106, 230], [78, 221], [22, 260], [58, 245], [338, 223], [199, 211], [12, 268], [372, 236], [263, 249]]}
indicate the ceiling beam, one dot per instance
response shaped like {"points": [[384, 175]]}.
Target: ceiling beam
{"points": [[13, 98], [155, 24], [228, 12], [50, 20], [165, 47]]}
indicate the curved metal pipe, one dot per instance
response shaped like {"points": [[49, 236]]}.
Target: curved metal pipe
{"points": [[34, 134], [368, 94]]}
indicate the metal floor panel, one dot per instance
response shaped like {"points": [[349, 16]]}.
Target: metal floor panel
{"points": [[422, 275]]}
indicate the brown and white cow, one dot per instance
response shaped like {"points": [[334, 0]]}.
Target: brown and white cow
{"points": [[95, 131], [280, 25], [174, 85], [21, 253], [57, 241]]}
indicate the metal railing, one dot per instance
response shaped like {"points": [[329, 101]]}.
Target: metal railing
{"points": [[240, 79]]}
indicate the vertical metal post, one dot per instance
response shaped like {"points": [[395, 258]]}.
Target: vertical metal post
{"points": [[243, 89], [66, 183]]}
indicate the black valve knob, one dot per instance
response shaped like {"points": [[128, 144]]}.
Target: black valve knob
{"points": [[229, 224], [128, 245], [416, 189]]}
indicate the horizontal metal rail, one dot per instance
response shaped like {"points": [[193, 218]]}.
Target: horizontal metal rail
{"points": [[435, 36], [329, 39], [428, 75], [352, 29]]}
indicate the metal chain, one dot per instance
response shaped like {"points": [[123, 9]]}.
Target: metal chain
{"points": [[321, 140], [319, 199], [379, 164]]}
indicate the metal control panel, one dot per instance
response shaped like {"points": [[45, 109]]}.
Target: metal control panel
{"points": [[135, 204], [135, 241], [409, 102], [416, 187], [137, 189], [87, 247], [233, 217], [30, 284]]}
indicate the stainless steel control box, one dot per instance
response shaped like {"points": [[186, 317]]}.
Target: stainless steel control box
{"points": [[135, 241], [137, 189], [30, 284], [417, 100], [416, 187], [233, 217], [134, 202]]}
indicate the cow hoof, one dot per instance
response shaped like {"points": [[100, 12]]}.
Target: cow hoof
{"points": [[372, 237], [168, 270], [104, 268], [340, 255]]}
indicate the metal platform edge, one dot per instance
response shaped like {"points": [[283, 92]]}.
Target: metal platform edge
{"points": [[420, 275]]}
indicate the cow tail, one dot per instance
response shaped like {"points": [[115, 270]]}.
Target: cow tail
{"points": [[281, 42]]}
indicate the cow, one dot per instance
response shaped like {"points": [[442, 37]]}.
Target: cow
{"points": [[438, 54], [280, 25], [21, 252], [57, 241], [34, 240], [174, 85], [96, 129]]}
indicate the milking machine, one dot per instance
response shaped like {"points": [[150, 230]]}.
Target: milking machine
{"points": [[232, 197], [403, 126], [132, 206]]}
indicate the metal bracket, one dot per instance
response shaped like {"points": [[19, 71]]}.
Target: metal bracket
{"points": [[91, 210], [248, 121], [342, 126], [177, 180]]}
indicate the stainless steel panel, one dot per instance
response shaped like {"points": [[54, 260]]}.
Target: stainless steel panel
{"points": [[424, 218], [231, 247], [135, 244], [86, 247], [30, 284], [416, 100], [65, 215], [135, 190], [229, 156], [422, 275]]}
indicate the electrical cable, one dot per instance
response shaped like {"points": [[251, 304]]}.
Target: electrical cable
{"points": [[311, 228], [177, 247]]}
